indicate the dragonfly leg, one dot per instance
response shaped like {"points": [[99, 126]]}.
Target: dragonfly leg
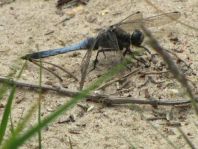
{"points": [[104, 54], [146, 49], [95, 62], [127, 51], [103, 50], [96, 59], [141, 60]]}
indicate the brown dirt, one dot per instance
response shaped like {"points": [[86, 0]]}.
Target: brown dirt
{"points": [[24, 24]]}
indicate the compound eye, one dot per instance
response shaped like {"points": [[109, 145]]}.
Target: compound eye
{"points": [[137, 38]]}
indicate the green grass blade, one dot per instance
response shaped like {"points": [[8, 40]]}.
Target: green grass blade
{"points": [[11, 124], [7, 111], [5, 85], [16, 142], [3, 89], [21, 125], [39, 106]]}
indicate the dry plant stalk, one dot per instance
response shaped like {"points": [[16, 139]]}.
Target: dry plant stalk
{"points": [[99, 98]]}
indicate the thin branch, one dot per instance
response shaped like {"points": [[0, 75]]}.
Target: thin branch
{"points": [[99, 98], [64, 70], [56, 75], [113, 81], [153, 72]]}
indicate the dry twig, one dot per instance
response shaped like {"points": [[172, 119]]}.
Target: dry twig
{"points": [[99, 98], [63, 69], [113, 81], [153, 72], [56, 75]]}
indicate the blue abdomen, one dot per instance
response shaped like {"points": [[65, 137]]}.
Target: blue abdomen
{"points": [[84, 44]]}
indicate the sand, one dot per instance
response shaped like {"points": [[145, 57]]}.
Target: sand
{"points": [[30, 25]]}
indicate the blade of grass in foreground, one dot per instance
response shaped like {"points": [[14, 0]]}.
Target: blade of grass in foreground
{"points": [[21, 125], [174, 69], [39, 106], [26, 118], [155, 128], [186, 139], [7, 111], [11, 124], [5, 85], [3, 90], [19, 140], [126, 139]]}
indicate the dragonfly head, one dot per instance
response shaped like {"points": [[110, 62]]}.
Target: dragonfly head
{"points": [[137, 38]]}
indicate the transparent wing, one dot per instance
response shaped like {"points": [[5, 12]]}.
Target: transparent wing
{"points": [[85, 65], [134, 21], [128, 23], [109, 42]]}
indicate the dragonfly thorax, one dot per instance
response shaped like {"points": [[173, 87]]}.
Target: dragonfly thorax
{"points": [[137, 38]]}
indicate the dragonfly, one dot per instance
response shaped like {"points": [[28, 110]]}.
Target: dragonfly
{"points": [[117, 37]]}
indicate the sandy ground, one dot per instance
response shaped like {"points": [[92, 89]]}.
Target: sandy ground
{"points": [[25, 24]]}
